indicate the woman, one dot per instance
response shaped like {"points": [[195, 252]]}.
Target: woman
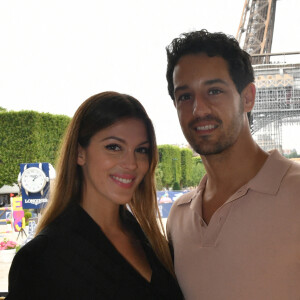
{"points": [[99, 237]]}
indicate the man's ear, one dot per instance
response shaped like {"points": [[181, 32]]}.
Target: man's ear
{"points": [[248, 97], [81, 156]]}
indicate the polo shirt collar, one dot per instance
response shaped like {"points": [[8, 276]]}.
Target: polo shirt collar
{"points": [[269, 177], [266, 181]]}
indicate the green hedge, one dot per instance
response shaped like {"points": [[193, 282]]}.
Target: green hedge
{"points": [[198, 171], [170, 164], [178, 168], [28, 137], [186, 167]]}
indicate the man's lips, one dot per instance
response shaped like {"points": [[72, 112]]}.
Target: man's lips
{"points": [[206, 127]]}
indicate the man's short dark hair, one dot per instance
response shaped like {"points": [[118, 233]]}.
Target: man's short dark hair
{"points": [[213, 44]]}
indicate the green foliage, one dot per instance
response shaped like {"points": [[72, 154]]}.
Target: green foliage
{"points": [[198, 171], [158, 178], [176, 186], [2, 109], [28, 137], [186, 167], [178, 168], [170, 164], [27, 216]]}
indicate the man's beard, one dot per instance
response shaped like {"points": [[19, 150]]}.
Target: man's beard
{"points": [[203, 146]]}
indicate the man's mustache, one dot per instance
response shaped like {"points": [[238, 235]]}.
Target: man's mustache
{"points": [[202, 119]]}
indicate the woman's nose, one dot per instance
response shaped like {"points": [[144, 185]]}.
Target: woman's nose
{"points": [[129, 161]]}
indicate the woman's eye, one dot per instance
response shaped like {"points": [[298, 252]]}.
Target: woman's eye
{"points": [[143, 150], [113, 147]]}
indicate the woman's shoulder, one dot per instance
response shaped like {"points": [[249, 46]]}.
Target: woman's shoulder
{"points": [[46, 238], [64, 222], [31, 251], [24, 265]]}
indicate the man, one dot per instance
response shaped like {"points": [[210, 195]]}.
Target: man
{"points": [[237, 236]]}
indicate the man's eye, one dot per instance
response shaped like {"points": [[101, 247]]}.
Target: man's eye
{"points": [[113, 147], [214, 92], [184, 97], [143, 150]]}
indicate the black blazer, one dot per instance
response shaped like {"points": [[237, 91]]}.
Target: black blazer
{"points": [[73, 259]]}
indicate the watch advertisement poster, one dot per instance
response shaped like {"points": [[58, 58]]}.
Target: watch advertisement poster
{"points": [[34, 184]]}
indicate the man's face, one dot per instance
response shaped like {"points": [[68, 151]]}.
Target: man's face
{"points": [[209, 107]]}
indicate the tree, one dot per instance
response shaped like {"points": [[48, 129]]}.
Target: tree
{"points": [[178, 168], [186, 166], [27, 137], [170, 164], [198, 171], [158, 178]]}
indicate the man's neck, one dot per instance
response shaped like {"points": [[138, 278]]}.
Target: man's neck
{"points": [[228, 171], [234, 166]]}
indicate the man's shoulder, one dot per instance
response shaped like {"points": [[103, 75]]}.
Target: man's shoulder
{"points": [[277, 158], [278, 169], [279, 176], [295, 166], [292, 176], [180, 203], [292, 167], [185, 198]]}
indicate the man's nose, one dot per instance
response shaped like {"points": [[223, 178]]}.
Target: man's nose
{"points": [[201, 106]]}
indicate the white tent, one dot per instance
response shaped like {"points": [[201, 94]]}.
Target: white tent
{"points": [[9, 189]]}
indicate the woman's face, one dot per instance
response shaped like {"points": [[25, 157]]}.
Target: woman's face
{"points": [[115, 162]]}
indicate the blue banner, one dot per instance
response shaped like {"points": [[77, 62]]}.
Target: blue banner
{"points": [[38, 199]]}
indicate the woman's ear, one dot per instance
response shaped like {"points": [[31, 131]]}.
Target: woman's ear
{"points": [[81, 156], [248, 96]]}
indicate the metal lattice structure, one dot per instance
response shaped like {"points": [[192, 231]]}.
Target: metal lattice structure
{"points": [[277, 100], [256, 28]]}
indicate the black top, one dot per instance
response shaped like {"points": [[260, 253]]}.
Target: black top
{"points": [[73, 259]]}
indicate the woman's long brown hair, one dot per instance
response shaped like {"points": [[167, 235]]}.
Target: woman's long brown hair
{"points": [[97, 113]]}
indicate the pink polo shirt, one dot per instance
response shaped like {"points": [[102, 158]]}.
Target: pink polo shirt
{"points": [[251, 248]]}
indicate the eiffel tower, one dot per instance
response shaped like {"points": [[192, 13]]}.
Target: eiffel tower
{"points": [[277, 83]]}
